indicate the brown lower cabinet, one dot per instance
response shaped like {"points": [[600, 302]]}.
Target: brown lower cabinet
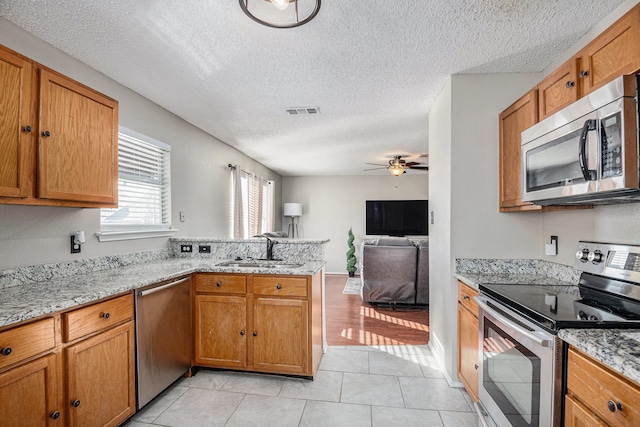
{"points": [[598, 396], [49, 379], [468, 333], [261, 323]]}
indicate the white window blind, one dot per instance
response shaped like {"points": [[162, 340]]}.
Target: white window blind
{"points": [[144, 186]]}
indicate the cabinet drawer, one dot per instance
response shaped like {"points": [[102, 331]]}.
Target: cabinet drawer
{"points": [[25, 341], [102, 315], [465, 296], [595, 386], [280, 286], [221, 283]]}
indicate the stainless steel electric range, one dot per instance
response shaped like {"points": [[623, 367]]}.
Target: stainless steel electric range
{"points": [[521, 371]]}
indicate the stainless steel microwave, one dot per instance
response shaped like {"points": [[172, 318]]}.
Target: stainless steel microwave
{"points": [[586, 153]]}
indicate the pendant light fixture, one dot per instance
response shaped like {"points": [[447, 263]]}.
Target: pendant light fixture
{"points": [[281, 13]]}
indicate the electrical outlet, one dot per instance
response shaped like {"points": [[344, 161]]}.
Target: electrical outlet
{"points": [[186, 248], [182, 216], [204, 249]]}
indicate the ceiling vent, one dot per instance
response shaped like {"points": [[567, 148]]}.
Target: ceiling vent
{"points": [[302, 111]]}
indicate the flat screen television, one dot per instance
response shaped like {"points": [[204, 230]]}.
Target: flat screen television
{"points": [[397, 217]]}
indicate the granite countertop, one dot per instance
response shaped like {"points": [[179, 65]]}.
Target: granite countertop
{"points": [[475, 279], [617, 348], [30, 300]]}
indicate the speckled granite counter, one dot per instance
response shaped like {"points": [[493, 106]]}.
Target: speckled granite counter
{"points": [[30, 300], [617, 348], [474, 279], [474, 271]]}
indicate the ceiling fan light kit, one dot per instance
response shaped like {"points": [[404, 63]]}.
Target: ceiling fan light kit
{"points": [[281, 13], [398, 166]]}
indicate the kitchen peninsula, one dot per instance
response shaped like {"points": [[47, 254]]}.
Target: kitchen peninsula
{"points": [[57, 320]]}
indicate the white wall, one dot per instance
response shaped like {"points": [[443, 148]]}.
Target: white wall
{"points": [[331, 205], [463, 151], [200, 176], [441, 319]]}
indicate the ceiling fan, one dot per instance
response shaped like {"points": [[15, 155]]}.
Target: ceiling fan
{"points": [[398, 166]]}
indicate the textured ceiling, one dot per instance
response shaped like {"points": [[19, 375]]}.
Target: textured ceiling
{"points": [[373, 67]]}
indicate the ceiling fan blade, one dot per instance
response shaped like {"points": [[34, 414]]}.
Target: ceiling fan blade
{"points": [[420, 167], [412, 164], [375, 169], [375, 164]]}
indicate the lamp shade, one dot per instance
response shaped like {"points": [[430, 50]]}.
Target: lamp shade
{"points": [[293, 209], [281, 13]]}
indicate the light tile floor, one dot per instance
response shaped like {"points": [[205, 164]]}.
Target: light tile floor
{"points": [[355, 386]]}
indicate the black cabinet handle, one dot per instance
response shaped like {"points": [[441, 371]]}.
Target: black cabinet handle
{"points": [[27, 128], [570, 84], [6, 351], [105, 315], [278, 286], [242, 333], [255, 334], [583, 74], [614, 406], [466, 297], [46, 133], [218, 284], [55, 415], [75, 403], [476, 366]]}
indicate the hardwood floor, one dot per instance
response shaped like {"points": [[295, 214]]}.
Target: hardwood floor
{"points": [[350, 321]]}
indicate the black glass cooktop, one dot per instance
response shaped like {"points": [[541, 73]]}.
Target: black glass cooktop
{"points": [[556, 307]]}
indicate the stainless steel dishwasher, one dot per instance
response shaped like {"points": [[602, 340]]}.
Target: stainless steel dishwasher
{"points": [[163, 336]]}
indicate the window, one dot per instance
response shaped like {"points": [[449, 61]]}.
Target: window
{"points": [[144, 190], [253, 204]]}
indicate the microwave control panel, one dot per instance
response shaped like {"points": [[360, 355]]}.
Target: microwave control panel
{"points": [[611, 137]]}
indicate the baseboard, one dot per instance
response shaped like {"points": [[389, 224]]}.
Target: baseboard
{"points": [[438, 353]]}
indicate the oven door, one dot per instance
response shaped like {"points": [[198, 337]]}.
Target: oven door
{"points": [[519, 365]]}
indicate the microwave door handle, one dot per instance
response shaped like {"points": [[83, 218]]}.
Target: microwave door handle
{"points": [[588, 175]]}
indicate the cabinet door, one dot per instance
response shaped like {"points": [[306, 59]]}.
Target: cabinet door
{"points": [[519, 116], [280, 335], [558, 90], [78, 161], [468, 351], [100, 371], [614, 52], [221, 331], [29, 394], [576, 415], [15, 116]]}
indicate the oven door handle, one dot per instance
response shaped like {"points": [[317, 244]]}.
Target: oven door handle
{"points": [[483, 303]]}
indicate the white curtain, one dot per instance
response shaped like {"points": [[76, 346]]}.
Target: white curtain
{"points": [[252, 204]]}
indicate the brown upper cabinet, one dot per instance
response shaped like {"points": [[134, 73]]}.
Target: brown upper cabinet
{"points": [[58, 138], [16, 125], [521, 115], [558, 89], [613, 53]]}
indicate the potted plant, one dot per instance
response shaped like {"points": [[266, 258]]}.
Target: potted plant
{"points": [[351, 255]]}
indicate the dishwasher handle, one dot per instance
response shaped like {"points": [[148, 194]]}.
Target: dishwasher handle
{"points": [[160, 288]]}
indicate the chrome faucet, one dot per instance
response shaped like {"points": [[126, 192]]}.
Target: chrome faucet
{"points": [[270, 244]]}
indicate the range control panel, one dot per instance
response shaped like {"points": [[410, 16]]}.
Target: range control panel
{"points": [[609, 260]]}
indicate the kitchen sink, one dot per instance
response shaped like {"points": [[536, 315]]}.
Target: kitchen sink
{"points": [[256, 265]]}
